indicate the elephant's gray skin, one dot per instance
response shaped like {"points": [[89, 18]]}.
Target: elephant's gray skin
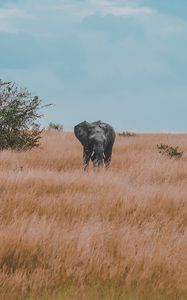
{"points": [[97, 139]]}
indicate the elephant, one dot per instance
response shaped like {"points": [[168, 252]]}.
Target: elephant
{"points": [[97, 139]]}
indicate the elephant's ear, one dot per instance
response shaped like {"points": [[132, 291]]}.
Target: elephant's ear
{"points": [[109, 131], [81, 132], [105, 127]]}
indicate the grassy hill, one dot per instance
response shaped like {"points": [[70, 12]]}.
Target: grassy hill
{"points": [[121, 234]]}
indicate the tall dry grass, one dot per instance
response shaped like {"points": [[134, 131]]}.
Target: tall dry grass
{"points": [[127, 226]]}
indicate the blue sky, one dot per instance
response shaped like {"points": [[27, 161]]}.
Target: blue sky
{"points": [[121, 61]]}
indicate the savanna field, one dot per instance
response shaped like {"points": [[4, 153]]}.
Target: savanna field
{"points": [[69, 234]]}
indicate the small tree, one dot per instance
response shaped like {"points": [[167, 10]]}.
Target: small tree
{"points": [[170, 151], [54, 126], [127, 134], [18, 118]]}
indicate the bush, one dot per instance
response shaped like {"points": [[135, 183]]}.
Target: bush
{"points": [[53, 126], [170, 151], [127, 134], [18, 118]]}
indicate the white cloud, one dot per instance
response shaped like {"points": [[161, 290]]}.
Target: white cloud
{"points": [[127, 11], [104, 7], [9, 16], [9, 13]]}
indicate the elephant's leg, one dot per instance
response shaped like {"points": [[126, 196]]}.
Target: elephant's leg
{"points": [[86, 158], [107, 157]]}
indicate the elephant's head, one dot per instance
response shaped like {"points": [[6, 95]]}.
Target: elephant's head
{"points": [[97, 140], [94, 137]]}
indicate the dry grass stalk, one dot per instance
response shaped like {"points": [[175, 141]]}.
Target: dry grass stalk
{"points": [[59, 224]]}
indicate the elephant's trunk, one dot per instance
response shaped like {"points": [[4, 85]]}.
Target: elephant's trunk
{"points": [[97, 157]]}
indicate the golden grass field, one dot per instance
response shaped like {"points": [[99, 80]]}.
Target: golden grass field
{"points": [[69, 234]]}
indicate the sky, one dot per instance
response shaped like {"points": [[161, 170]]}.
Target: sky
{"points": [[120, 61]]}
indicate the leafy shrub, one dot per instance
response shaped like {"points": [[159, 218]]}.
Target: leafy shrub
{"points": [[53, 126], [170, 151], [18, 118], [127, 134]]}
